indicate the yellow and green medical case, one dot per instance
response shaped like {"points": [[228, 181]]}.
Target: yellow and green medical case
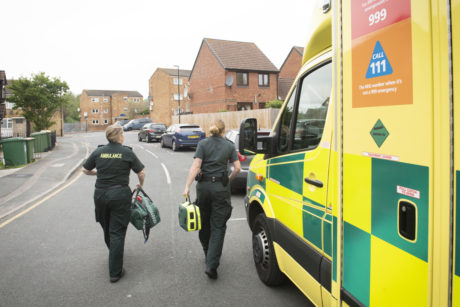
{"points": [[189, 216]]}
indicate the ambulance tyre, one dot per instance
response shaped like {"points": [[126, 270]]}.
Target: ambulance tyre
{"points": [[264, 253]]}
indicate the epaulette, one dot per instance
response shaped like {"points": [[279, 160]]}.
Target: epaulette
{"points": [[100, 146], [128, 147]]}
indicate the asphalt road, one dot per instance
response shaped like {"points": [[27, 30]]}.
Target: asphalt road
{"points": [[54, 255]]}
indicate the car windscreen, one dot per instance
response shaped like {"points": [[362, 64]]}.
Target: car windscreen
{"points": [[163, 127]]}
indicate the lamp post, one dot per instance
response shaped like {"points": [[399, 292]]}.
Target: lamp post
{"points": [[178, 89]]}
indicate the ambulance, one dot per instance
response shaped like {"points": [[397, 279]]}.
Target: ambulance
{"points": [[354, 194]]}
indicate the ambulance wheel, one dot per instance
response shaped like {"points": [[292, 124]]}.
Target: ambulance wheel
{"points": [[264, 253], [174, 146]]}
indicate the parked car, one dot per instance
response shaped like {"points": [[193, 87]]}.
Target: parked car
{"points": [[182, 135], [136, 124], [151, 132], [122, 122], [239, 182]]}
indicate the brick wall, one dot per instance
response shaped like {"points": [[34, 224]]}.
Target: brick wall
{"points": [[291, 66]]}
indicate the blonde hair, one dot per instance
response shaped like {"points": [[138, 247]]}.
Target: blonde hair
{"points": [[217, 127], [113, 133]]}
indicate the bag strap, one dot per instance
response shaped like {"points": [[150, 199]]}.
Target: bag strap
{"points": [[146, 228]]}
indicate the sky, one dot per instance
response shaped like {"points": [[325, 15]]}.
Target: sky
{"points": [[118, 45]]}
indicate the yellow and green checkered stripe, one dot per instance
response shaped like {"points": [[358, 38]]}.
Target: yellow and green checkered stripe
{"points": [[369, 256]]}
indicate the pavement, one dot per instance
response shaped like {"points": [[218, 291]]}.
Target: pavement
{"points": [[22, 187]]}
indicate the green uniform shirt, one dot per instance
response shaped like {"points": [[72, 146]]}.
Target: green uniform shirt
{"points": [[215, 152], [113, 163]]}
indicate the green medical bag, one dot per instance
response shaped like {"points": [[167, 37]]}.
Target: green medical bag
{"points": [[144, 214]]}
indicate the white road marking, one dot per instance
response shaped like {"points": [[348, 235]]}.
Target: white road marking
{"points": [[151, 153], [238, 219], [168, 179], [58, 165]]}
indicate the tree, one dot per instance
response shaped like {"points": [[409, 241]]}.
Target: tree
{"points": [[39, 98], [276, 104], [71, 105]]}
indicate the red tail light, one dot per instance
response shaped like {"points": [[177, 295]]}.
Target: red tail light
{"points": [[241, 157], [150, 130]]}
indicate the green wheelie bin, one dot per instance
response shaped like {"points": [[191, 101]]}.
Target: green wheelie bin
{"points": [[30, 149], [40, 142], [14, 151]]}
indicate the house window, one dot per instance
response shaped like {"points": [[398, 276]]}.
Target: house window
{"points": [[7, 123], [125, 109], [137, 100], [95, 122], [106, 99], [95, 111], [175, 81], [125, 98], [94, 99], [106, 111], [106, 121], [181, 97], [264, 80], [244, 106], [242, 79]]}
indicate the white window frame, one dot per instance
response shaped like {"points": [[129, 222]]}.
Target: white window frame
{"points": [[95, 122], [106, 111], [106, 99], [125, 98], [95, 111], [125, 109], [106, 121], [181, 97], [175, 81], [95, 99]]}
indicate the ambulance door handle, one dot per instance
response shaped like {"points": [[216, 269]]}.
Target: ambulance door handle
{"points": [[316, 183], [407, 220]]}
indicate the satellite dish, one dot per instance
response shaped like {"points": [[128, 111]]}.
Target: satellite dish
{"points": [[229, 81]]}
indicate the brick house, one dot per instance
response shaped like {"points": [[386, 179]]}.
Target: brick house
{"points": [[163, 91], [289, 70], [231, 76], [100, 108]]}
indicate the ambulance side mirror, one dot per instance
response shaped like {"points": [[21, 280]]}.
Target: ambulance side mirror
{"points": [[249, 142]]}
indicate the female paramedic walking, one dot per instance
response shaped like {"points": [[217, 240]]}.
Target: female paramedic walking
{"points": [[112, 195], [213, 191]]}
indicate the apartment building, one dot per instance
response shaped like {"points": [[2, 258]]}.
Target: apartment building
{"points": [[168, 92], [100, 108]]}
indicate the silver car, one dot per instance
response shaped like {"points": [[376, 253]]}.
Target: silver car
{"points": [[239, 183]]}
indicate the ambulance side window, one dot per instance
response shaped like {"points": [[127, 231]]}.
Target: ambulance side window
{"points": [[313, 103], [285, 126]]}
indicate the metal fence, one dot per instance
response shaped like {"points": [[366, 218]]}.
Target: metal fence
{"points": [[74, 127]]}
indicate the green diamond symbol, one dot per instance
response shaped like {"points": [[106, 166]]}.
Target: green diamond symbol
{"points": [[379, 133]]}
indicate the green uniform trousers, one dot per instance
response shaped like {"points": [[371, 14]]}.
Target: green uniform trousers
{"points": [[113, 213], [215, 210]]}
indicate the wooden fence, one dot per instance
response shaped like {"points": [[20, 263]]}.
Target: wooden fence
{"points": [[232, 120]]}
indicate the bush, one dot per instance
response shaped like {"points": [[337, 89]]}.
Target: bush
{"points": [[276, 104]]}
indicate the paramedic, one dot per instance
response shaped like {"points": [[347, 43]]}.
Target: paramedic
{"points": [[112, 195], [213, 191]]}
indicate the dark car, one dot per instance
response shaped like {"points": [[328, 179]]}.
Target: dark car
{"points": [[182, 135], [239, 182], [136, 124], [151, 132], [122, 122]]}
